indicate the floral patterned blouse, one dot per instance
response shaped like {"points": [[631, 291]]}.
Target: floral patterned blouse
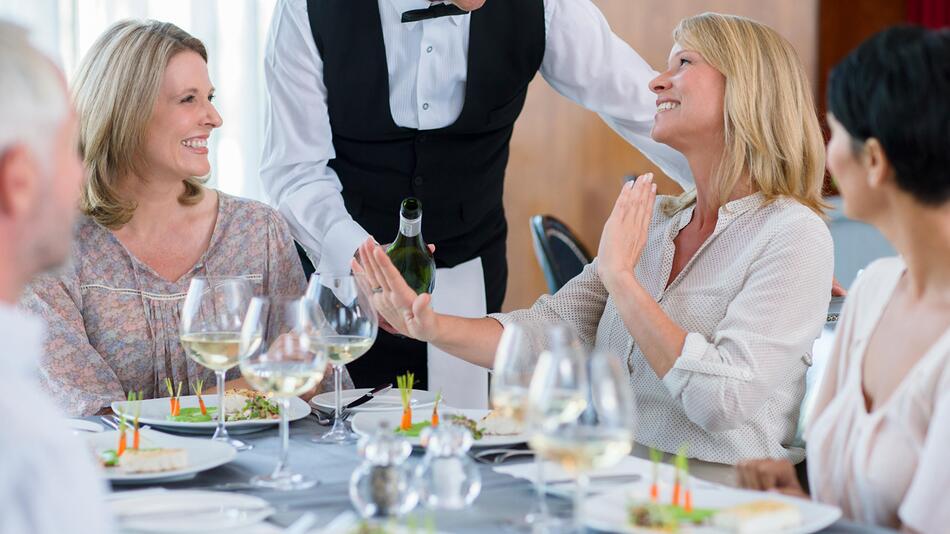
{"points": [[113, 321]]}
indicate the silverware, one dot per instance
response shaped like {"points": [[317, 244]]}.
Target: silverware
{"points": [[378, 390], [109, 423], [630, 477], [303, 524], [231, 511], [497, 456], [128, 424]]}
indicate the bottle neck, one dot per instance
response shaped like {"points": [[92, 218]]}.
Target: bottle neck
{"points": [[410, 227]]}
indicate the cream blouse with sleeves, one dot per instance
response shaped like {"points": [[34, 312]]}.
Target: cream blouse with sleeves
{"points": [[753, 299]]}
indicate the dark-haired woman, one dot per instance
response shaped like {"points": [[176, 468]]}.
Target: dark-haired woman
{"points": [[879, 439]]}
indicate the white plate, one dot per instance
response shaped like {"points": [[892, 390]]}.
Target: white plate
{"points": [[203, 454], [81, 425], [188, 511], [608, 511], [367, 423], [387, 402], [154, 412]]}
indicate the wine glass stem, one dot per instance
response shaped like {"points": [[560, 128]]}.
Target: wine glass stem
{"points": [[539, 487], [338, 390], [221, 432], [579, 493], [284, 405]]}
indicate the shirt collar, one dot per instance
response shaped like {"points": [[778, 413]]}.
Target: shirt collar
{"points": [[22, 336], [402, 6], [728, 212]]}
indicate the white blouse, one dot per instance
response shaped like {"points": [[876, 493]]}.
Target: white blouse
{"points": [[887, 467], [753, 299]]}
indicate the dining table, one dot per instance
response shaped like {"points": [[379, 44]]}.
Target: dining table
{"points": [[500, 507]]}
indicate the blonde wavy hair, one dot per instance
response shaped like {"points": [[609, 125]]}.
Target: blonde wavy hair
{"points": [[115, 91], [770, 122]]}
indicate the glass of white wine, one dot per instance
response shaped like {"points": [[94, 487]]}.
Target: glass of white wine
{"points": [[210, 332], [583, 416], [348, 326], [515, 362], [286, 362]]}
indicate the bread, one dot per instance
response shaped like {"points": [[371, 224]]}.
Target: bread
{"points": [[152, 460], [495, 424], [758, 517]]}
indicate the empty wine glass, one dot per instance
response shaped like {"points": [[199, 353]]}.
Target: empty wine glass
{"points": [[582, 415], [211, 319], [348, 326], [288, 363]]}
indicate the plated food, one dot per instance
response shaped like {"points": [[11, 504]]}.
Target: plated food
{"points": [[159, 457], [246, 411]]}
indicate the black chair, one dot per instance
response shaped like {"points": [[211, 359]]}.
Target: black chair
{"points": [[560, 253]]}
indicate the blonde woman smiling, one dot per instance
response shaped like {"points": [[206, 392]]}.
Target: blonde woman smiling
{"points": [[713, 299], [146, 114]]}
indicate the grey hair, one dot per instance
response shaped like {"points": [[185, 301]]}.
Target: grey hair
{"points": [[33, 97]]}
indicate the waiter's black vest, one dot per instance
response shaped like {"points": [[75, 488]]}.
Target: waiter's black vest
{"points": [[458, 171]]}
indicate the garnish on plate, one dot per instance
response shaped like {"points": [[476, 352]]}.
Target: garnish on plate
{"points": [[470, 424], [197, 387], [435, 409], [174, 397], [656, 457], [405, 383], [137, 399]]}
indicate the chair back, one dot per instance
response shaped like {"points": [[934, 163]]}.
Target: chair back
{"points": [[561, 254]]}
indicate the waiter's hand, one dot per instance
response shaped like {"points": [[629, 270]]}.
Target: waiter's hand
{"points": [[409, 314], [626, 231], [383, 323]]}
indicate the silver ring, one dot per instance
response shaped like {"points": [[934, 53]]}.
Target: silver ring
{"points": [[378, 289]]}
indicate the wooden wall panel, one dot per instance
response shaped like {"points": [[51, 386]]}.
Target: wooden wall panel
{"points": [[566, 162]]}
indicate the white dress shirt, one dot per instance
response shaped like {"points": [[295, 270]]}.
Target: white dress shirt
{"points": [[752, 300], [427, 64], [48, 484]]}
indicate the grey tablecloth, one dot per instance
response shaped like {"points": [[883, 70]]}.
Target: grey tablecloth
{"points": [[504, 500]]}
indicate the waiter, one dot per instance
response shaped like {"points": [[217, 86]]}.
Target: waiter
{"points": [[372, 101]]}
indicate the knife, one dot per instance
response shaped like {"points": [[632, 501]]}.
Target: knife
{"points": [[379, 390]]}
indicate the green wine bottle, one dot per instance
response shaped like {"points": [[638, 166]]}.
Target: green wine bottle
{"points": [[409, 252]]}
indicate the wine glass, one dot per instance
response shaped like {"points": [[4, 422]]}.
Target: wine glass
{"points": [[288, 363], [348, 325], [515, 362], [595, 430], [210, 331]]}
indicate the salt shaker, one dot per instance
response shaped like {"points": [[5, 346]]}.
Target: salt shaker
{"points": [[447, 478], [382, 486]]}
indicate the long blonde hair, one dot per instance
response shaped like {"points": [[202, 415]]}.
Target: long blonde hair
{"points": [[771, 126], [115, 91]]}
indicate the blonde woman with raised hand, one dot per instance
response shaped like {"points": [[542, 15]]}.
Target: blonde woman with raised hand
{"points": [[713, 299], [149, 225]]}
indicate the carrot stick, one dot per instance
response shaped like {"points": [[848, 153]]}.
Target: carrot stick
{"points": [[405, 383], [199, 384], [171, 394], [676, 492], [656, 457], [121, 442], [135, 423], [688, 504], [178, 400], [435, 409]]}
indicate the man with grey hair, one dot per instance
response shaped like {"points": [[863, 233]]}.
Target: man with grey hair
{"points": [[47, 481]]}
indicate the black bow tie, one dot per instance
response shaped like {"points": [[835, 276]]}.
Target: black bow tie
{"points": [[432, 12]]}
